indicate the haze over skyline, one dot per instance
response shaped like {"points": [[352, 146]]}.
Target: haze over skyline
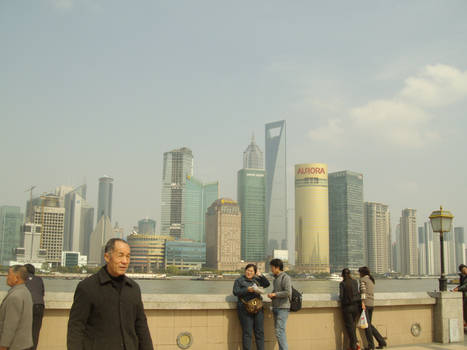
{"points": [[94, 88]]}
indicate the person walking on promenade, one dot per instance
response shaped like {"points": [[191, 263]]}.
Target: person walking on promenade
{"points": [[349, 297], [462, 287], [16, 312], [280, 301], [367, 287], [107, 310], [246, 288], [36, 287]]}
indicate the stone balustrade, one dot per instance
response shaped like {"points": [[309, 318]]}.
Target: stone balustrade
{"points": [[210, 322]]}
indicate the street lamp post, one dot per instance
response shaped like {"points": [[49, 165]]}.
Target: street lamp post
{"points": [[441, 221]]}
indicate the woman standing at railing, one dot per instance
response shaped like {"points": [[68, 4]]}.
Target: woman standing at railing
{"points": [[367, 287], [248, 290], [349, 297]]}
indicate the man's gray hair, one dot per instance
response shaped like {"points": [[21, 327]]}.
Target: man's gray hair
{"points": [[110, 245], [20, 271]]}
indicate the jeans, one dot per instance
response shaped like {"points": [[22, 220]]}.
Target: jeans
{"points": [[350, 314], [280, 319], [250, 323], [371, 331]]}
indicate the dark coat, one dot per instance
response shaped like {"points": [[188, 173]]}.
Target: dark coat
{"points": [[349, 296], [102, 318], [241, 284]]}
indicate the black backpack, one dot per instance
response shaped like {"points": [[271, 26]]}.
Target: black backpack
{"points": [[295, 300]]}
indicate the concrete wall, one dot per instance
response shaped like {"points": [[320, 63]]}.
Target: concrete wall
{"points": [[212, 320]]}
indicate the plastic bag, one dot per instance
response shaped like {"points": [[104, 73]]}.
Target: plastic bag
{"points": [[362, 322]]}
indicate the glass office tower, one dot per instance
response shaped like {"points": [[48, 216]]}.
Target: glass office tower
{"points": [[276, 186], [197, 197], [104, 202], [346, 238], [11, 220], [251, 196]]}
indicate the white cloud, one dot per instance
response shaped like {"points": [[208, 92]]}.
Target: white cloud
{"points": [[436, 86], [393, 122], [403, 120], [332, 132]]}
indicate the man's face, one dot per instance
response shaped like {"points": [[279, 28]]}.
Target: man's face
{"points": [[275, 270], [464, 270], [12, 278], [118, 259]]}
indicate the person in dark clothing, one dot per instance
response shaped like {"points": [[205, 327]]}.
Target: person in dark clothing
{"points": [[349, 297], [247, 287], [36, 287], [367, 287], [107, 310], [462, 287]]}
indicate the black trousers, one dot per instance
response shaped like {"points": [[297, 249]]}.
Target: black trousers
{"points": [[464, 302], [37, 314], [350, 313], [371, 331], [251, 323]]}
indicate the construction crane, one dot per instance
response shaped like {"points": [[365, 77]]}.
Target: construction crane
{"points": [[31, 215]]}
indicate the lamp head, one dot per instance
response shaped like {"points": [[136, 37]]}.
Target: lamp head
{"points": [[441, 220]]}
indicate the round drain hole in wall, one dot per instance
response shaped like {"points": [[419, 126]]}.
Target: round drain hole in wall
{"points": [[184, 340], [416, 329]]}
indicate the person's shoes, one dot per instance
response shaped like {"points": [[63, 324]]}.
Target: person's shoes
{"points": [[381, 346]]}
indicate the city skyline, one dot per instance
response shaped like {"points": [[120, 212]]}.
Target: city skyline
{"points": [[388, 110]]}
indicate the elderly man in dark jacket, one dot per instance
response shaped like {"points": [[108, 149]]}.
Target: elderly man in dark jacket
{"points": [[107, 310]]}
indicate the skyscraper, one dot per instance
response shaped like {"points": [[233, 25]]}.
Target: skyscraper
{"points": [[460, 245], [196, 199], [11, 220], [104, 202], [251, 194], [147, 227], [346, 238], [51, 217], [99, 237], [79, 220], [178, 166], [223, 234], [253, 156], [377, 226], [276, 186], [408, 242], [432, 252], [422, 258], [31, 252], [311, 217]]}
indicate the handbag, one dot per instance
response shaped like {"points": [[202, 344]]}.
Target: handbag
{"points": [[253, 306], [362, 322]]}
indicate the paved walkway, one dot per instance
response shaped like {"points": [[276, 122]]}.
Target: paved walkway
{"points": [[434, 346]]}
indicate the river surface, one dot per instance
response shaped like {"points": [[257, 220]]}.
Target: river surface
{"points": [[225, 287]]}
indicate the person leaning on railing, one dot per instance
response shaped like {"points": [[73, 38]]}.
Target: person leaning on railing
{"points": [[349, 297], [248, 289], [367, 287], [462, 287]]}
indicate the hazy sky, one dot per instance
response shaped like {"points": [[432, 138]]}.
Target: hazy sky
{"points": [[92, 88]]}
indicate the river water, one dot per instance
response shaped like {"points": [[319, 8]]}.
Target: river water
{"points": [[225, 287]]}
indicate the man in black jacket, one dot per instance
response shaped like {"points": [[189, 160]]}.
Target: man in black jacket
{"points": [[107, 310], [36, 287]]}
